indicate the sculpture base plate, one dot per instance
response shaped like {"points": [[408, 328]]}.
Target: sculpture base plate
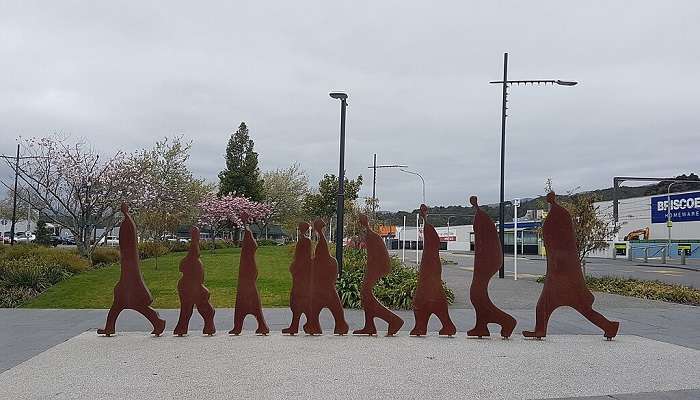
{"points": [[139, 366]]}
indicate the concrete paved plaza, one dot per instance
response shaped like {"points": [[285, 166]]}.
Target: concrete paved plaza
{"points": [[136, 366], [656, 351]]}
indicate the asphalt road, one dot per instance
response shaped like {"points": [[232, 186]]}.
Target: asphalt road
{"points": [[531, 267]]}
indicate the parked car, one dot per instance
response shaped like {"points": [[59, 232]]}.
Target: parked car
{"points": [[173, 239], [55, 240], [24, 237], [68, 240], [6, 238], [109, 241]]}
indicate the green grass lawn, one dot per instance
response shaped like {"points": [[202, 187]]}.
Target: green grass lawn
{"points": [[93, 289]]}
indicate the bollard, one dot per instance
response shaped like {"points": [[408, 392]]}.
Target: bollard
{"points": [[663, 255], [646, 254], [683, 257]]}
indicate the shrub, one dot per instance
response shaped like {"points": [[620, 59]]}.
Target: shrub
{"points": [[653, 290], [152, 249], [395, 290], [267, 242], [220, 244], [15, 296], [354, 259], [349, 287], [178, 246], [64, 258], [105, 256], [30, 273], [23, 279]]}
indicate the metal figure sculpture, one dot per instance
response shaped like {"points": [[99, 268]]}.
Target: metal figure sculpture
{"points": [[430, 297], [487, 261], [378, 266], [247, 295], [300, 296], [323, 291], [192, 291], [131, 291], [564, 284]]}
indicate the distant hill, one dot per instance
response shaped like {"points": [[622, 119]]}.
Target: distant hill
{"points": [[462, 215]]}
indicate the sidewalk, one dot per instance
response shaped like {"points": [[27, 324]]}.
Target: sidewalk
{"points": [[25, 333], [136, 366]]}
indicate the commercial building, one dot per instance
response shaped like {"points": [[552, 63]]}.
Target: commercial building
{"points": [[646, 229], [461, 237], [647, 226]]}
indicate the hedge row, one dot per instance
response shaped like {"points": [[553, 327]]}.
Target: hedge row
{"points": [[653, 290]]}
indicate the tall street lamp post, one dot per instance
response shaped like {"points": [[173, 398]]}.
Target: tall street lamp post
{"points": [[421, 179], [505, 83], [341, 182], [374, 167]]}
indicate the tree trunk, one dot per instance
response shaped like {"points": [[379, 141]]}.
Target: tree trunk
{"points": [[84, 249]]}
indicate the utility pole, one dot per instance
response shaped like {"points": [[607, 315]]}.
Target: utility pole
{"points": [[374, 167], [14, 193], [374, 184], [14, 200]]}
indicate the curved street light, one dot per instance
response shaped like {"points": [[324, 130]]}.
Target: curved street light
{"points": [[421, 178], [505, 83]]}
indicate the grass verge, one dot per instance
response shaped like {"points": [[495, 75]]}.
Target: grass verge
{"points": [[653, 290], [93, 288]]}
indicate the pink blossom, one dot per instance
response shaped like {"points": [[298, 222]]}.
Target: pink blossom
{"points": [[231, 211]]}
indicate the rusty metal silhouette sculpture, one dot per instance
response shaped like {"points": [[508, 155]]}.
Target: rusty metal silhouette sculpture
{"points": [[192, 291], [323, 291], [131, 291], [300, 296], [430, 297], [378, 266], [564, 283], [247, 295], [487, 261]]}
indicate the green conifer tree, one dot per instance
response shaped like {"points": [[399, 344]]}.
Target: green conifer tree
{"points": [[242, 175], [43, 235]]}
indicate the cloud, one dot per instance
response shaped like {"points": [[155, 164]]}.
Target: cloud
{"points": [[124, 74]]}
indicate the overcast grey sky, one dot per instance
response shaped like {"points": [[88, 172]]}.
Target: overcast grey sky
{"points": [[124, 74]]}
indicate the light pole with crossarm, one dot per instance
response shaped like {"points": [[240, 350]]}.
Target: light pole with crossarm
{"points": [[505, 83]]}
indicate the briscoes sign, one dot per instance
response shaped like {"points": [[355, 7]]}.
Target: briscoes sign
{"points": [[684, 207]]}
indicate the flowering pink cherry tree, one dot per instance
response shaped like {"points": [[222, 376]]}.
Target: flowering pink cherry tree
{"points": [[231, 212], [72, 186]]}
